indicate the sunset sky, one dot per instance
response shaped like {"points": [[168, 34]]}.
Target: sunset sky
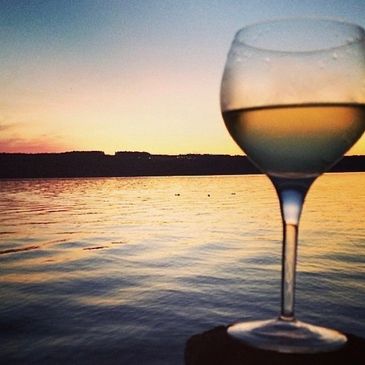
{"points": [[140, 75]]}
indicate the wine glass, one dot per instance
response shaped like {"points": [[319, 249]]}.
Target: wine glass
{"points": [[293, 99]]}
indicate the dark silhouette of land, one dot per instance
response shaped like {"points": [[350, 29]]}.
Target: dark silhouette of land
{"points": [[98, 164]]}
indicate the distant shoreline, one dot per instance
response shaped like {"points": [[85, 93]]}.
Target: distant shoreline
{"points": [[98, 164]]}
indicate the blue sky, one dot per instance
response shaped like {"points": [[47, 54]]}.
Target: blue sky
{"points": [[126, 75]]}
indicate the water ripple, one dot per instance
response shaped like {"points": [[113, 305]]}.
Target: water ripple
{"points": [[94, 270]]}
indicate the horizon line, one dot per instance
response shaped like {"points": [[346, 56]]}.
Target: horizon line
{"points": [[135, 152]]}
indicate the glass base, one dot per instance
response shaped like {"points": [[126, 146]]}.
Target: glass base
{"points": [[287, 336]]}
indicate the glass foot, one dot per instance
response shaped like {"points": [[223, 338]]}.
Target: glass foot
{"points": [[287, 336]]}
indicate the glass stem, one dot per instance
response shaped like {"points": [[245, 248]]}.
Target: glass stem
{"points": [[291, 194], [289, 259]]}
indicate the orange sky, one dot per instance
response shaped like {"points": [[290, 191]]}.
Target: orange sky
{"points": [[114, 76]]}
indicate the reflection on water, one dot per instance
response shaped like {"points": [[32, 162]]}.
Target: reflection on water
{"points": [[124, 270]]}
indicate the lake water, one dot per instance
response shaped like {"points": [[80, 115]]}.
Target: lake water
{"points": [[125, 270]]}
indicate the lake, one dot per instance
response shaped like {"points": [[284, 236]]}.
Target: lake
{"points": [[125, 270]]}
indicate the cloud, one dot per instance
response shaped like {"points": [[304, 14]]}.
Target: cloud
{"points": [[31, 145], [15, 138], [5, 126]]}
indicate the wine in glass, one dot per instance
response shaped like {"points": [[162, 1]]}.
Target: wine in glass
{"points": [[293, 99]]}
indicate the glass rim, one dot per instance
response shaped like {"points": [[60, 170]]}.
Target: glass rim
{"points": [[360, 36]]}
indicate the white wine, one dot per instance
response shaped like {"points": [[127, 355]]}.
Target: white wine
{"points": [[294, 141]]}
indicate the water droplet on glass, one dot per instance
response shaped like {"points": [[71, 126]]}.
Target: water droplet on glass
{"points": [[233, 53]]}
